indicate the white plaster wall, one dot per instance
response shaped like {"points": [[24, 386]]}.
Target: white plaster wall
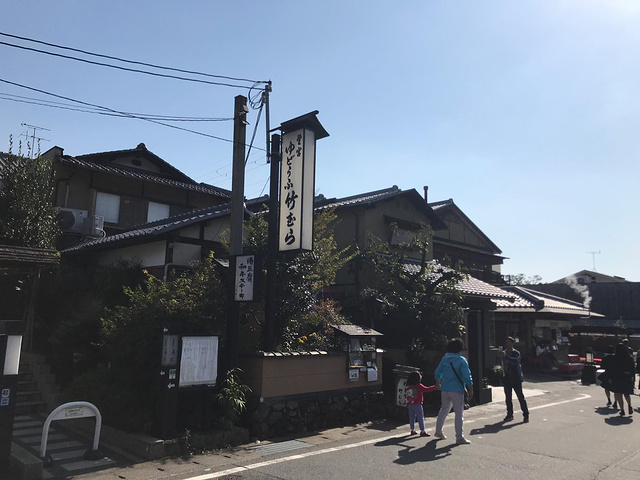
{"points": [[148, 255]]}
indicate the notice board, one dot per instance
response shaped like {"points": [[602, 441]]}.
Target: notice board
{"points": [[199, 361]]}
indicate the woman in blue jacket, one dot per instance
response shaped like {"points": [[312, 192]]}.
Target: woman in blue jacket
{"points": [[453, 378]]}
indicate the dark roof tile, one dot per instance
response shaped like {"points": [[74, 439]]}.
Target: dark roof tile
{"points": [[156, 228], [142, 175]]}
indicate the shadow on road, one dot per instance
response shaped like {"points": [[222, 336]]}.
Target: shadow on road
{"points": [[410, 454], [494, 428], [618, 420], [606, 411]]}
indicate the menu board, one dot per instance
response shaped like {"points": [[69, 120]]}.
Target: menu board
{"points": [[199, 361]]}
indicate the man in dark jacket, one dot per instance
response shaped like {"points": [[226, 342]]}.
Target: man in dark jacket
{"points": [[512, 379]]}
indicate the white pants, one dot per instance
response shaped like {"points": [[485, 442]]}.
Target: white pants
{"points": [[455, 400]]}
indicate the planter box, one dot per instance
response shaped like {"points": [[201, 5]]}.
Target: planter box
{"points": [[278, 374]]}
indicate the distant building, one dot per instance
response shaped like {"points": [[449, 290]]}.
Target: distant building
{"points": [[614, 297], [585, 277]]}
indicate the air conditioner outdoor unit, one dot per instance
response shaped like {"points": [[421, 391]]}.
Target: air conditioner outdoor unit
{"points": [[93, 226], [71, 220]]}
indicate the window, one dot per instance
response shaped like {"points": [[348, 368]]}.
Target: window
{"points": [[157, 211], [108, 206]]}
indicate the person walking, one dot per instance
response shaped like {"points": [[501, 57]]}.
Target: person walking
{"points": [[512, 379], [606, 377], [638, 365], [415, 391], [623, 377], [453, 378]]}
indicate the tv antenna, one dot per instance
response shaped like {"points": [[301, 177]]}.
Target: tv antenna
{"points": [[31, 148], [593, 256]]}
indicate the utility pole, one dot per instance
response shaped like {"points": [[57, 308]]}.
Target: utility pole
{"points": [[272, 244], [237, 217]]}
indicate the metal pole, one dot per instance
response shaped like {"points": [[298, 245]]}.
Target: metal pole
{"points": [[272, 245]]}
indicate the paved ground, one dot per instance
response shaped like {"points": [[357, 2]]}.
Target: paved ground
{"points": [[544, 393], [65, 449]]}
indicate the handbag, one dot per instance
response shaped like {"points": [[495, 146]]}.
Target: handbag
{"points": [[466, 396]]}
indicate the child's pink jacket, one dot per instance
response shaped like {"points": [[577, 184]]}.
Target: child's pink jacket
{"points": [[415, 393]]}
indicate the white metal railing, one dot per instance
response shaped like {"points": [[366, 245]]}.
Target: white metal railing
{"points": [[69, 411]]}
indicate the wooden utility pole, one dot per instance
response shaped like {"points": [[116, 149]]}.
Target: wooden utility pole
{"points": [[237, 217]]}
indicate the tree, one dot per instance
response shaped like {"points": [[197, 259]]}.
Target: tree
{"points": [[300, 277], [522, 279], [27, 219], [27, 214], [75, 297], [124, 386], [421, 301]]}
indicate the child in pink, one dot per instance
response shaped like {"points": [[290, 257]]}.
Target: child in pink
{"points": [[415, 391]]}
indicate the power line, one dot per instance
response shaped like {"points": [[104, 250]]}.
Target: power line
{"points": [[132, 61], [116, 111], [253, 137], [66, 106], [135, 70]]}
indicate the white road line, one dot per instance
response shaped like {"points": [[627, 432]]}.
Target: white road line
{"points": [[231, 471], [584, 396]]}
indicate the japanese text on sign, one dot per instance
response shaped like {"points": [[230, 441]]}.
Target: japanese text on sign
{"points": [[170, 345], [296, 190], [245, 278], [199, 361]]}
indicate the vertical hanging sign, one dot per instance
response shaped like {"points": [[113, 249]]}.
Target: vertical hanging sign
{"points": [[245, 278], [297, 183]]}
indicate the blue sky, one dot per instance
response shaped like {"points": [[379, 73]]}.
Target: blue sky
{"points": [[525, 113]]}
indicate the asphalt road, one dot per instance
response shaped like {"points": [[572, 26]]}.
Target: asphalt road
{"points": [[572, 435]]}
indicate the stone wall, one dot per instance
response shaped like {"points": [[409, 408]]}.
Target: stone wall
{"points": [[279, 417]]}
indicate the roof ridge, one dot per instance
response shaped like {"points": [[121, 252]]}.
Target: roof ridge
{"points": [[393, 189]]}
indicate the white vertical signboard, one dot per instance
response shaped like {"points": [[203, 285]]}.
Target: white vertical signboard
{"points": [[245, 278], [297, 182]]}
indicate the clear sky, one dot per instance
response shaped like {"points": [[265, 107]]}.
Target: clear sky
{"points": [[525, 112]]}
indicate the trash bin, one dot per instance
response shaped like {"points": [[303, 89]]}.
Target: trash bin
{"points": [[589, 374], [400, 374]]}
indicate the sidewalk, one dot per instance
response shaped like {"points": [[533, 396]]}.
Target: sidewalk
{"points": [[497, 393], [67, 449]]}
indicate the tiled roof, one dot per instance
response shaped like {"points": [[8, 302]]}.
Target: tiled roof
{"points": [[356, 330], [156, 228], [473, 286], [361, 199], [441, 204], [519, 303], [532, 300], [142, 175], [371, 198], [510, 298], [13, 256], [468, 286]]}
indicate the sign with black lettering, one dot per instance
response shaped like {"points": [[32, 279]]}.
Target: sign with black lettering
{"points": [[199, 361], [297, 183]]}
